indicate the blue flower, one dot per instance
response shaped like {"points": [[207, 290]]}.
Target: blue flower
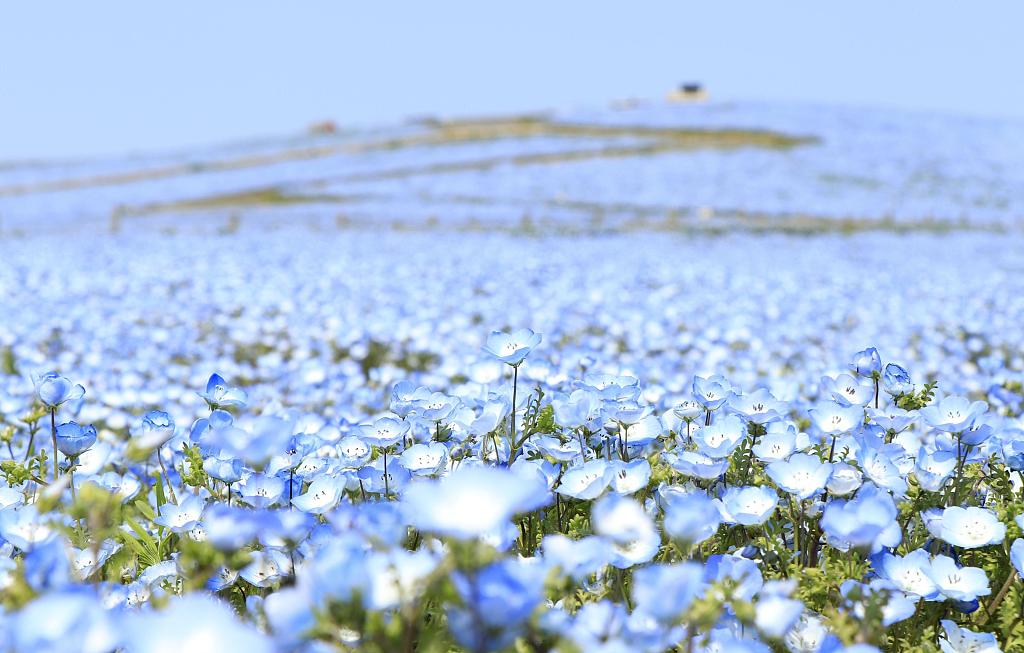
{"points": [[748, 506], [802, 475], [953, 414], [959, 583], [194, 622], [867, 362], [691, 518], [384, 431], [666, 591], [720, 439], [896, 380], [758, 407], [586, 481], [73, 439], [55, 390], [835, 419], [911, 573], [472, 501], [962, 640], [712, 392], [512, 348], [971, 527], [867, 522], [221, 395], [183, 517], [153, 429]]}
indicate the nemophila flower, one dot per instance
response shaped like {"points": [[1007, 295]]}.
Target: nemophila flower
{"points": [[626, 412], [962, 640], [576, 558], [867, 362], [403, 399], [867, 522], [55, 390], [384, 431], [953, 414], [266, 567], [322, 494], [67, 621], [959, 583], [933, 468], [375, 478], [775, 615], [24, 527], [397, 577], [436, 408], [194, 622], [665, 592], [777, 444], [559, 449], [748, 506], [224, 469], [712, 392], [498, 599], [758, 407], [897, 605], [229, 528], [691, 518], [892, 419], [802, 475], [720, 439], [46, 566], [630, 477], [577, 409], [835, 419], [848, 390], [694, 463], [73, 439], [86, 562], [511, 348], [896, 380], [353, 452], [744, 574], [262, 491], [610, 387], [631, 530], [182, 517], [845, 479], [1017, 555], [911, 573], [971, 527], [880, 467], [152, 430], [688, 410], [472, 501], [586, 481], [425, 459], [219, 394]]}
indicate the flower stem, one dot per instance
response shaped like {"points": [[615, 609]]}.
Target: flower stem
{"points": [[53, 432], [512, 417]]}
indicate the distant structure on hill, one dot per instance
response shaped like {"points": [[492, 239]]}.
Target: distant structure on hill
{"points": [[322, 128], [688, 92]]}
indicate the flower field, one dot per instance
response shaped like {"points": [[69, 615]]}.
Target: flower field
{"points": [[702, 378]]}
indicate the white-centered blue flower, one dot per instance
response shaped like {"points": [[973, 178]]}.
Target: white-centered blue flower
{"points": [[953, 414], [802, 475], [472, 501], [511, 348], [971, 527], [748, 506]]}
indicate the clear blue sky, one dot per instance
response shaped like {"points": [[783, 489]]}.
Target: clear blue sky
{"points": [[104, 77]]}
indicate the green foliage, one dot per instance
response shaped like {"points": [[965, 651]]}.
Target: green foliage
{"points": [[919, 398]]}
